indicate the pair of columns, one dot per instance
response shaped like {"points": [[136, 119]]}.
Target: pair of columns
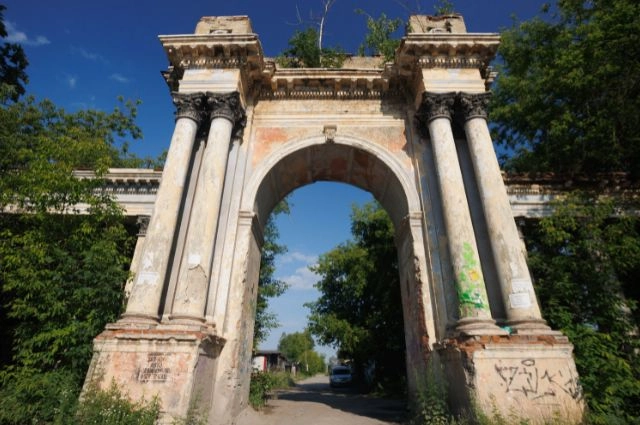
{"points": [[225, 117], [523, 313]]}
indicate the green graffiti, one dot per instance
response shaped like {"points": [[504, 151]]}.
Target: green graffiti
{"points": [[470, 286]]}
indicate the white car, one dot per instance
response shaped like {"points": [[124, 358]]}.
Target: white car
{"points": [[340, 376]]}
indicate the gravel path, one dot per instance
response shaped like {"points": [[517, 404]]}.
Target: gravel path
{"points": [[313, 402]]}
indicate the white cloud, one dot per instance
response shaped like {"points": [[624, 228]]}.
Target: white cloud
{"points": [[88, 55], [15, 36], [119, 78], [298, 257], [302, 279], [72, 80]]}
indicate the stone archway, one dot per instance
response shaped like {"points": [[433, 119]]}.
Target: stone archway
{"points": [[365, 165], [413, 133]]}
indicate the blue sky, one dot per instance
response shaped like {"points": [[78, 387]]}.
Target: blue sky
{"points": [[84, 54]]}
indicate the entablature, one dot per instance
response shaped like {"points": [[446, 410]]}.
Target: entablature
{"points": [[229, 43]]}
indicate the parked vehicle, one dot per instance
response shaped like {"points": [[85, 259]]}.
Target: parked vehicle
{"points": [[340, 376]]}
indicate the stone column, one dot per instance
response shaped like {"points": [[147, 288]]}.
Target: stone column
{"points": [[518, 295], [192, 288], [475, 315], [149, 280], [143, 223]]}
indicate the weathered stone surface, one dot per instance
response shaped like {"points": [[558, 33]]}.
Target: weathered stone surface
{"points": [[189, 322], [220, 25], [514, 377], [172, 365]]}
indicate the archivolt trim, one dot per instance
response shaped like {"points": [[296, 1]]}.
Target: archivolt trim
{"points": [[261, 172]]}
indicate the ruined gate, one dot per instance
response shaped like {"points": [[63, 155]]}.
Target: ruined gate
{"points": [[413, 132]]}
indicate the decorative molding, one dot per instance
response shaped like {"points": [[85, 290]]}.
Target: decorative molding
{"points": [[443, 61], [436, 105], [227, 106], [189, 105], [446, 50], [215, 51], [340, 84], [329, 132], [474, 105], [143, 224]]}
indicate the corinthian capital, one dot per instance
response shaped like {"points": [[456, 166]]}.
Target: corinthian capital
{"points": [[436, 105], [227, 106], [189, 105], [474, 105]]}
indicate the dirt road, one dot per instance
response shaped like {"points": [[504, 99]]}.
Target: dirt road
{"points": [[313, 402]]}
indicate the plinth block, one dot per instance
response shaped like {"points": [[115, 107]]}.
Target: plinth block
{"points": [[530, 377], [174, 365]]}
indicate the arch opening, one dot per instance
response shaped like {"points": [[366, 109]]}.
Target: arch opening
{"points": [[371, 168], [333, 162]]}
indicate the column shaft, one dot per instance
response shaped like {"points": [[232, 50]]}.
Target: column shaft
{"points": [[148, 286], [195, 267], [475, 314], [521, 306]]}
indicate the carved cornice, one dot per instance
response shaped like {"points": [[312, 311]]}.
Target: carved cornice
{"points": [[474, 105], [323, 83], [227, 106], [446, 50], [215, 51]]}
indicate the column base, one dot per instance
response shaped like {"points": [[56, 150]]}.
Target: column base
{"points": [[176, 365], [186, 319], [531, 327], [474, 326], [138, 318], [522, 378]]}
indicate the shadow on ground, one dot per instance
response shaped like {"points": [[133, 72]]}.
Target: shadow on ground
{"points": [[348, 400]]}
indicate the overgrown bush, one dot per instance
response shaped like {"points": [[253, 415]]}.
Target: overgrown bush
{"points": [[262, 383], [113, 407], [305, 52]]}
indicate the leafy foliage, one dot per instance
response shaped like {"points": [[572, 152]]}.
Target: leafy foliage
{"points": [[587, 264], [268, 286], [13, 63], [378, 40], [62, 273], [359, 309], [293, 345], [569, 88], [112, 407], [305, 52], [565, 103], [262, 383], [297, 347], [443, 7]]}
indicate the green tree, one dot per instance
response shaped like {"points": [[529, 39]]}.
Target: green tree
{"points": [[61, 272], [568, 90], [565, 102], [443, 7], [13, 64], [305, 52], [268, 285], [378, 40], [586, 261], [297, 347], [359, 309], [293, 345]]}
